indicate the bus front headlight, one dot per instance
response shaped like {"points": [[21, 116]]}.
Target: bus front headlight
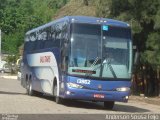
{"points": [[74, 85], [123, 89]]}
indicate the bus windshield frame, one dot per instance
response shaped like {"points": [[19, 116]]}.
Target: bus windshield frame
{"points": [[100, 51]]}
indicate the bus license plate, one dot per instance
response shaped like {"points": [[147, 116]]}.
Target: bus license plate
{"points": [[98, 96]]}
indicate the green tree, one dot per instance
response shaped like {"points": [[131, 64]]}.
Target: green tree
{"points": [[85, 2], [143, 17], [19, 16]]}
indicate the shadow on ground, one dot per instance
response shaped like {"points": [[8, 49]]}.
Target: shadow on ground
{"points": [[98, 105], [87, 105], [129, 109], [11, 93]]}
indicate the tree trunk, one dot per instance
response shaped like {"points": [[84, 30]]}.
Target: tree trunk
{"points": [[85, 2], [158, 82]]}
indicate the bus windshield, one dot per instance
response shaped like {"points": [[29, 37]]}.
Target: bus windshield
{"points": [[99, 51]]}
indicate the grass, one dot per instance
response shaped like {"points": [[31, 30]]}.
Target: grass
{"points": [[76, 7]]}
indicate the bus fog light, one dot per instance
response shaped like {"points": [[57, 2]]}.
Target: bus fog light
{"points": [[68, 92], [126, 97], [74, 85], [123, 89]]}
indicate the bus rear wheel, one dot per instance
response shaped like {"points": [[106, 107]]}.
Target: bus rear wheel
{"points": [[58, 100], [109, 105]]}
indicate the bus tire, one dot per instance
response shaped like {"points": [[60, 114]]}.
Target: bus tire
{"points": [[109, 105], [58, 100], [2, 71], [30, 91]]}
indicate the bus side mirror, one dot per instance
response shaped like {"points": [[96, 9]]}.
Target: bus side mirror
{"points": [[136, 56]]}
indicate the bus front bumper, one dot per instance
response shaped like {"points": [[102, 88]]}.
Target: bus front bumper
{"points": [[95, 95]]}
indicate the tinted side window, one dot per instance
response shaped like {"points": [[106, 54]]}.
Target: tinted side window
{"points": [[64, 46], [54, 36], [41, 37], [50, 37], [47, 38]]}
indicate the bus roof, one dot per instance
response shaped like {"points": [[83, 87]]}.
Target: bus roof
{"points": [[84, 19], [96, 20]]}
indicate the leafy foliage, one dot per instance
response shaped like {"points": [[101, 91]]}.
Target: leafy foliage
{"points": [[19, 16], [144, 17]]}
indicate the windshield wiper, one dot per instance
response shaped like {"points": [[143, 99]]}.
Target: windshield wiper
{"points": [[108, 62], [93, 64], [105, 62]]}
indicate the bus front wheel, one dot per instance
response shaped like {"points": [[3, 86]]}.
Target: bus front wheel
{"points": [[58, 100], [29, 88], [109, 105]]}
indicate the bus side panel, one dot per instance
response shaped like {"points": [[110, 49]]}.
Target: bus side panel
{"points": [[43, 68]]}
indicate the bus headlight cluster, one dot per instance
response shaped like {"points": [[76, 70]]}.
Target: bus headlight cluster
{"points": [[74, 85], [123, 89]]}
